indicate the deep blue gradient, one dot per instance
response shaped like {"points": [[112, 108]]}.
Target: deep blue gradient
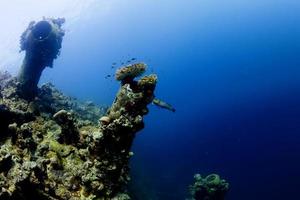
{"points": [[232, 70]]}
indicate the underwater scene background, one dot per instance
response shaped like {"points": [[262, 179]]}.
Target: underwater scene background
{"points": [[231, 70]]}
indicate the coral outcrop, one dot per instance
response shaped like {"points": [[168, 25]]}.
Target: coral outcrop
{"points": [[211, 187], [53, 147], [61, 154], [128, 73]]}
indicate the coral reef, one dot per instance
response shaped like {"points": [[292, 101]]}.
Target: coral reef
{"points": [[54, 147], [4, 76], [128, 73], [50, 100], [54, 155], [42, 42], [211, 187]]}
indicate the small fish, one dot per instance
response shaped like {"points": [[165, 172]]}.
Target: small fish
{"points": [[132, 59], [113, 65], [107, 76], [163, 104]]}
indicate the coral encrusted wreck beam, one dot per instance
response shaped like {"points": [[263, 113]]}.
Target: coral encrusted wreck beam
{"points": [[54, 147]]}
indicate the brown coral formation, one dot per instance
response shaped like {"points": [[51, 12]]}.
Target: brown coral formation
{"points": [[128, 73], [211, 187]]}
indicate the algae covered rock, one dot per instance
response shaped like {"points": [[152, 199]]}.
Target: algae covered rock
{"points": [[69, 132], [211, 187]]}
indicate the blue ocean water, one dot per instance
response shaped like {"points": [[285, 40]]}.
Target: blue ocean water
{"points": [[231, 69]]}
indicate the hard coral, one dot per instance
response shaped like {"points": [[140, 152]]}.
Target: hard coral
{"points": [[148, 81], [69, 132], [212, 187], [130, 72], [104, 120]]}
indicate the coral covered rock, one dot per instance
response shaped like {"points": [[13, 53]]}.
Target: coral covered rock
{"points": [[69, 131], [50, 154], [211, 187], [128, 73]]}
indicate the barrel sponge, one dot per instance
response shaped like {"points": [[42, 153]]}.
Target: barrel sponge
{"points": [[130, 71]]}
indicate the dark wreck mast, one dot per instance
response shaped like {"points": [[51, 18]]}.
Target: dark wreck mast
{"points": [[42, 42]]}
